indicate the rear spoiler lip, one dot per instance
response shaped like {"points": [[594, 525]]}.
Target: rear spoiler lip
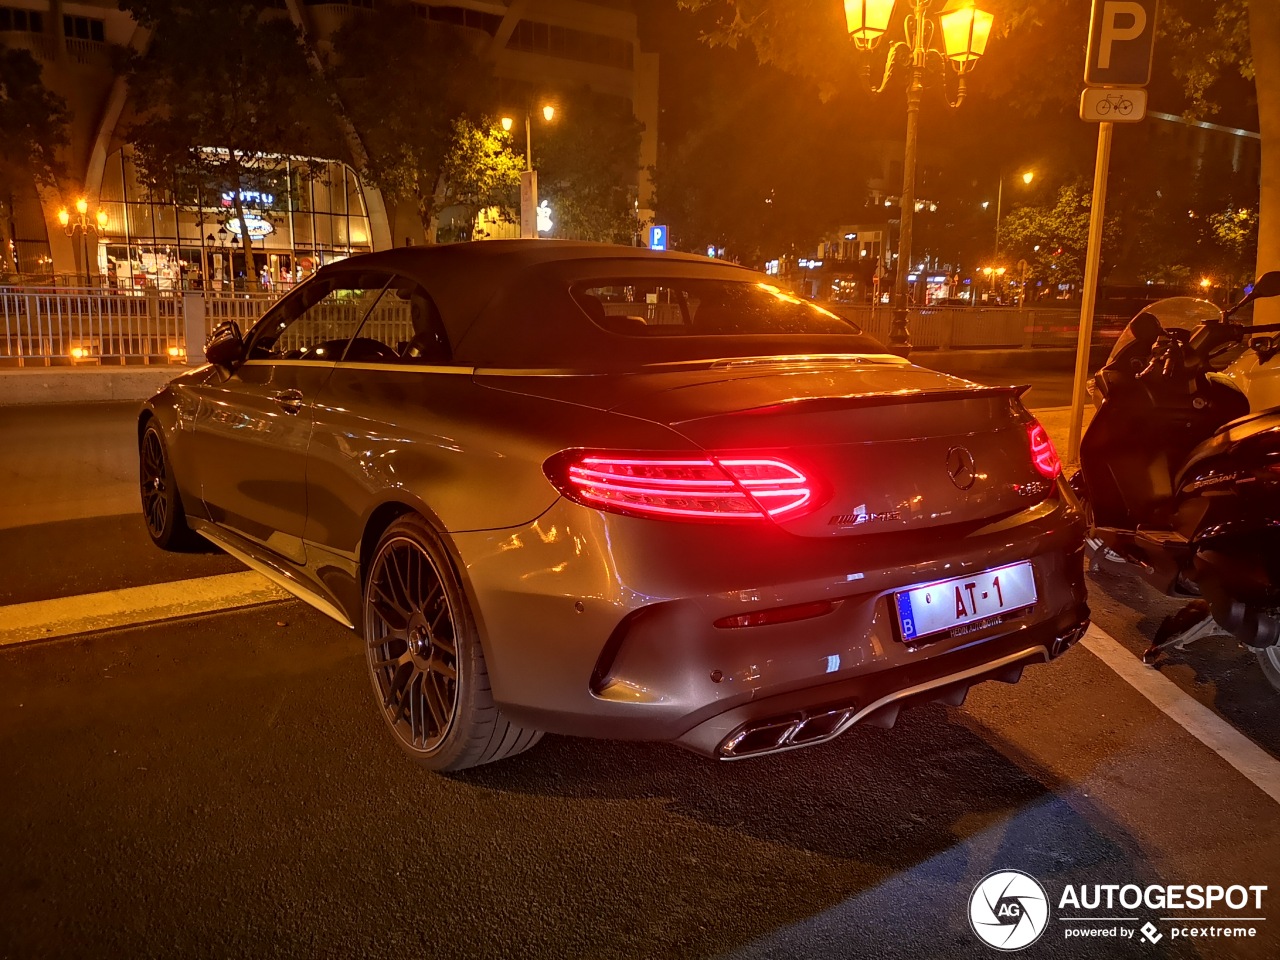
{"points": [[888, 398]]}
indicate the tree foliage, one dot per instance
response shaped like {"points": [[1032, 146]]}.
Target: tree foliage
{"points": [[33, 128], [223, 90], [480, 169], [1053, 237], [587, 162], [404, 84]]}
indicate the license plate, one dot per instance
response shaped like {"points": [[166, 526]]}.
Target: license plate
{"points": [[950, 606]]}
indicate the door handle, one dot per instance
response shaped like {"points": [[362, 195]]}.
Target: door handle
{"points": [[289, 400]]}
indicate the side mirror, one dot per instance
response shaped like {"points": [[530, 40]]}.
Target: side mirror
{"points": [[1264, 347], [1268, 285], [225, 346]]}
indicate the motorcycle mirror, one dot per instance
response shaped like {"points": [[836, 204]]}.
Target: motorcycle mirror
{"points": [[1267, 285]]}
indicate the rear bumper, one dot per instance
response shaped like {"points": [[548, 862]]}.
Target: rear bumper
{"points": [[602, 626], [822, 713]]}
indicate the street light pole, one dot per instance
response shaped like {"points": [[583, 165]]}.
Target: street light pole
{"points": [[529, 179], [899, 336], [965, 30], [1026, 178]]}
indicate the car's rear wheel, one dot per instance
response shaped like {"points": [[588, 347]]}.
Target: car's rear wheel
{"points": [[161, 504], [424, 656]]}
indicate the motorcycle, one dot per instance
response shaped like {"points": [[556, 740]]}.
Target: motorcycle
{"points": [[1181, 480]]}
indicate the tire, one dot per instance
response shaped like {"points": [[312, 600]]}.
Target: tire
{"points": [[1269, 661], [1104, 107], [424, 657], [161, 503]]}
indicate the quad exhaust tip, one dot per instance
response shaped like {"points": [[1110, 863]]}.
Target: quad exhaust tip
{"points": [[789, 731]]}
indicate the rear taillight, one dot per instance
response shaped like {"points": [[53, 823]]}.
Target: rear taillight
{"points": [[682, 487], [1043, 455]]}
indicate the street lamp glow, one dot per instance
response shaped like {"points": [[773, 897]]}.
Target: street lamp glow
{"points": [[965, 32], [1205, 283], [101, 217], [507, 124], [82, 206], [63, 217], [548, 113], [1028, 176], [867, 20]]}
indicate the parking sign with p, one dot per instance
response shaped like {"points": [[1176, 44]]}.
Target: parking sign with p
{"points": [[1121, 42]]}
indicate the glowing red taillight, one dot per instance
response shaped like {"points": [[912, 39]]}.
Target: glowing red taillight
{"points": [[1043, 455], [681, 487]]}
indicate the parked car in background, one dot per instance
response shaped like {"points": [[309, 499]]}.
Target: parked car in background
{"points": [[601, 491]]}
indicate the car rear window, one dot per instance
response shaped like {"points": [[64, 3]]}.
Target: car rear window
{"points": [[701, 307]]}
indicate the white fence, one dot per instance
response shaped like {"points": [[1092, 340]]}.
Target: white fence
{"points": [[50, 326], [67, 325], [54, 326]]}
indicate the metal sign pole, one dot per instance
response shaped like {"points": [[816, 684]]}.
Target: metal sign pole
{"points": [[1096, 216]]}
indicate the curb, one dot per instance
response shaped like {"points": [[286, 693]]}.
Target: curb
{"points": [[53, 385]]}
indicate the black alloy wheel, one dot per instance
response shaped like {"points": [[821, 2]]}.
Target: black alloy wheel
{"points": [[424, 658], [161, 505]]}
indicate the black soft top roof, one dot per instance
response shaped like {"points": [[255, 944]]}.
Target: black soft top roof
{"points": [[506, 303]]}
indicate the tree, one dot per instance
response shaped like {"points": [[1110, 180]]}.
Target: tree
{"points": [[220, 94], [1053, 238], [480, 170], [404, 83], [587, 162], [33, 128]]}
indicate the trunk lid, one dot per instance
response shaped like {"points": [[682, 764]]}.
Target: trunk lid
{"points": [[888, 446]]}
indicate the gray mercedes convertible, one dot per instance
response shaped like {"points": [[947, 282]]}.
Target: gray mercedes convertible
{"points": [[607, 492]]}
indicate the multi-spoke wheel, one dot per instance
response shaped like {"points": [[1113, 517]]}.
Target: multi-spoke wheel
{"points": [[424, 657], [161, 505]]}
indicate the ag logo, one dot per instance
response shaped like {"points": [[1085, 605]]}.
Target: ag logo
{"points": [[1008, 910]]}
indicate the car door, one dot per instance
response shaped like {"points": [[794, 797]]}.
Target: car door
{"points": [[252, 430], [375, 419]]}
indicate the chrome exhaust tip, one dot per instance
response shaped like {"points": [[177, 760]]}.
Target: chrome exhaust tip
{"points": [[1068, 640], [782, 733], [754, 739]]}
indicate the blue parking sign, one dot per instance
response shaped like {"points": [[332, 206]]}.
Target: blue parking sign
{"points": [[657, 238]]}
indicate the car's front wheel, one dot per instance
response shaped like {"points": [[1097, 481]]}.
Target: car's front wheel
{"points": [[424, 656], [161, 504]]}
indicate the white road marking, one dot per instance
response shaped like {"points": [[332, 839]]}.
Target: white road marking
{"points": [[1258, 766], [133, 606]]}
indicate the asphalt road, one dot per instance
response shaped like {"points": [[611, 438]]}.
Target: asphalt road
{"points": [[221, 786]]}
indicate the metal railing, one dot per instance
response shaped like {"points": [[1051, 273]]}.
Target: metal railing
{"points": [[244, 308], [960, 328], [45, 326], [70, 326]]}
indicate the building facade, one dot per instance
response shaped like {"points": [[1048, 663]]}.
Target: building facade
{"points": [[322, 210]]}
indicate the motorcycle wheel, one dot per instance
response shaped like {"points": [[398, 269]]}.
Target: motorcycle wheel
{"points": [[1269, 660]]}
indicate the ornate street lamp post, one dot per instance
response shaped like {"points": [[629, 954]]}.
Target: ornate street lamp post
{"points": [[82, 224], [965, 31]]}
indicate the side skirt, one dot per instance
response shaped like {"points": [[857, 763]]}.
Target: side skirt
{"points": [[278, 575]]}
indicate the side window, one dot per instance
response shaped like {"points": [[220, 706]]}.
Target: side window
{"points": [[405, 323], [321, 326]]}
